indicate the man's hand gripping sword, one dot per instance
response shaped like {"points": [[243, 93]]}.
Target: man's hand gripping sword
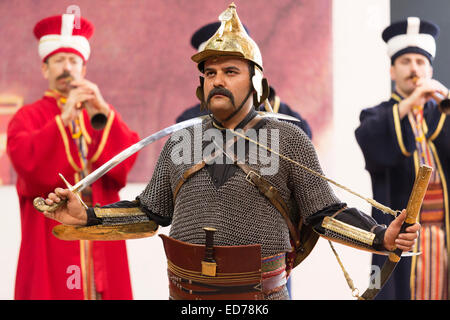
{"points": [[39, 203]]}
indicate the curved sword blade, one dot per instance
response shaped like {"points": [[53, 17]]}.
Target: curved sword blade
{"points": [[280, 116], [102, 170]]}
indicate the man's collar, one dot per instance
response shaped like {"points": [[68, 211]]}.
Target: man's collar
{"points": [[250, 115], [55, 94], [396, 96]]}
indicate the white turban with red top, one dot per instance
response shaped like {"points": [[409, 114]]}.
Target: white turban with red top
{"points": [[64, 33]]}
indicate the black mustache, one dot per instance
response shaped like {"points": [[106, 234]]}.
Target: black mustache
{"points": [[65, 74], [220, 91]]}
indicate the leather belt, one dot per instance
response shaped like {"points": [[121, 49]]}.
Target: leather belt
{"points": [[232, 281]]}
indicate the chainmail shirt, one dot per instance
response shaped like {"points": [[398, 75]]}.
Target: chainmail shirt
{"points": [[236, 209]]}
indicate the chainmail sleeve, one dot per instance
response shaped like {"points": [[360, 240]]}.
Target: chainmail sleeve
{"points": [[157, 196], [316, 200]]}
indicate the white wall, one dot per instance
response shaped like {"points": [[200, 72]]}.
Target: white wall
{"points": [[9, 240], [360, 76]]}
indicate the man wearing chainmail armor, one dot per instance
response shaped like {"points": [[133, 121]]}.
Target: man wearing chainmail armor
{"points": [[261, 212]]}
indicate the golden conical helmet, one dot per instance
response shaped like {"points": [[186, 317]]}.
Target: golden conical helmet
{"points": [[230, 39]]}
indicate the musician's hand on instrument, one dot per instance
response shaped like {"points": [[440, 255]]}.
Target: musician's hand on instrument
{"points": [[72, 107], [425, 88], [433, 85], [404, 241], [71, 213], [96, 104]]}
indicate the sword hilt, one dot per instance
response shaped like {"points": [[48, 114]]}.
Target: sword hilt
{"points": [[414, 204], [412, 211], [40, 205]]}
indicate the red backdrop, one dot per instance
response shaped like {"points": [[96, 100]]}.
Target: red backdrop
{"points": [[141, 56]]}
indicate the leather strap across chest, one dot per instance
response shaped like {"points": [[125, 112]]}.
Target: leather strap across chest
{"points": [[252, 176], [200, 165]]}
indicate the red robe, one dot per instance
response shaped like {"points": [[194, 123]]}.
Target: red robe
{"points": [[40, 147]]}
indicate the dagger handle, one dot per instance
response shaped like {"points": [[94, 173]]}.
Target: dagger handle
{"points": [[414, 204], [40, 205], [209, 244]]}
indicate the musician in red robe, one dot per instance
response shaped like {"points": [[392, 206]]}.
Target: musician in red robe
{"points": [[72, 131]]}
